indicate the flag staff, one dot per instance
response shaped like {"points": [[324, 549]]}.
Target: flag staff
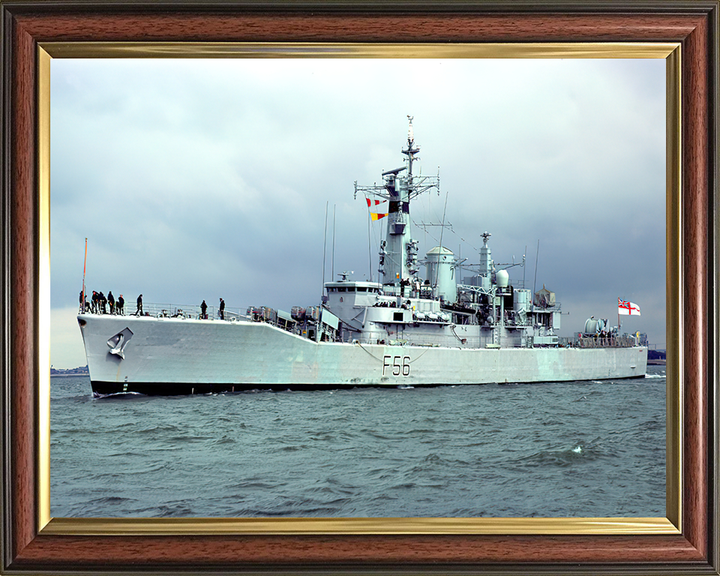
{"points": [[628, 309], [82, 304]]}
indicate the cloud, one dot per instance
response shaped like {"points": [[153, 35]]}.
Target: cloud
{"points": [[195, 179]]}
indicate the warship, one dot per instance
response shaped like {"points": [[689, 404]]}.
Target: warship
{"points": [[406, 329]]}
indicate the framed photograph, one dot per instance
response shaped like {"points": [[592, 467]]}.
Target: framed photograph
{"points": [[260, 148], [271, 37]]}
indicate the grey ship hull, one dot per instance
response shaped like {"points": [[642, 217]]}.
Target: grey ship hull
{"points": [[167, 356]]}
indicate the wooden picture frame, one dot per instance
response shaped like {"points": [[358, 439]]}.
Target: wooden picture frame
{"points": [[686, 542]]}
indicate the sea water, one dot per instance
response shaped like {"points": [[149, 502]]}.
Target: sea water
{"points": [[578, 449]]}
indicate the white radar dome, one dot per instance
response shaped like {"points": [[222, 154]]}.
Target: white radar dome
{"points": [[502, 278]]}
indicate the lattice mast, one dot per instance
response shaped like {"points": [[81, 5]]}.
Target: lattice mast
{"points": [[399, 252]]}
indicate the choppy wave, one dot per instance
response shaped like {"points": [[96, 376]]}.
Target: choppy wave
{"points": [[560, 449]]}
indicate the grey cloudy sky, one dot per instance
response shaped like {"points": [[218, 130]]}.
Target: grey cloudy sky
{"points": [[201, 179]]}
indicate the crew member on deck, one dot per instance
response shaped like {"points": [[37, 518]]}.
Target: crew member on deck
{"points": [[203, 308], [121, 305], [111, 301], [222, 309], [139, 310]]}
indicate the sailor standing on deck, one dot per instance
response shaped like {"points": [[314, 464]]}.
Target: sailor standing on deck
{"points": [[139, 310], [111, 301], [222, 309], [203, 310], [121, 305]]}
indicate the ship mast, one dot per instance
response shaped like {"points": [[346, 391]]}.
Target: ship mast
{"points": [[398, 253], [411, 150]]}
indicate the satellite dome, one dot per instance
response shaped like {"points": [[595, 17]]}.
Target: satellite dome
{"points": [[502, 278]]}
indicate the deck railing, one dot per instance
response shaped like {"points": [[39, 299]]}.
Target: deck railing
{"points": [[161, 310], [625, 341]]}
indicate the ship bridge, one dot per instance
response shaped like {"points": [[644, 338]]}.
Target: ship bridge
{"points": [[352, 287], [348, 299]]}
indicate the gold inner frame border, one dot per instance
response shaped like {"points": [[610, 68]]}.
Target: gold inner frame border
{"points": [[671, 524]]}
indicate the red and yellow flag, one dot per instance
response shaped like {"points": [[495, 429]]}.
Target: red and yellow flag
{"points": [[375, 215]]}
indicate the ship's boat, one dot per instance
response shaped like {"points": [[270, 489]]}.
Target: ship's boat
{"points": [[403, 330]]}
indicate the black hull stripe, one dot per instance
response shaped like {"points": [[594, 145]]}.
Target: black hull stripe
{"points": [[185, 389]]}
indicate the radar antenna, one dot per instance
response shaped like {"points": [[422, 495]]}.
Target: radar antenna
{"points": [[416, 185]]}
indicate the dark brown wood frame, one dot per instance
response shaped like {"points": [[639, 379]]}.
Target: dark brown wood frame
{"points": [[692, 23]]}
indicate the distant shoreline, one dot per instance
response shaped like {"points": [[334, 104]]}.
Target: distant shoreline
{"points": [[79, 371]]}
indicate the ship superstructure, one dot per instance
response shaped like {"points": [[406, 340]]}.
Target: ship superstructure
{"points": [[405, 329], [437, 309]]}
